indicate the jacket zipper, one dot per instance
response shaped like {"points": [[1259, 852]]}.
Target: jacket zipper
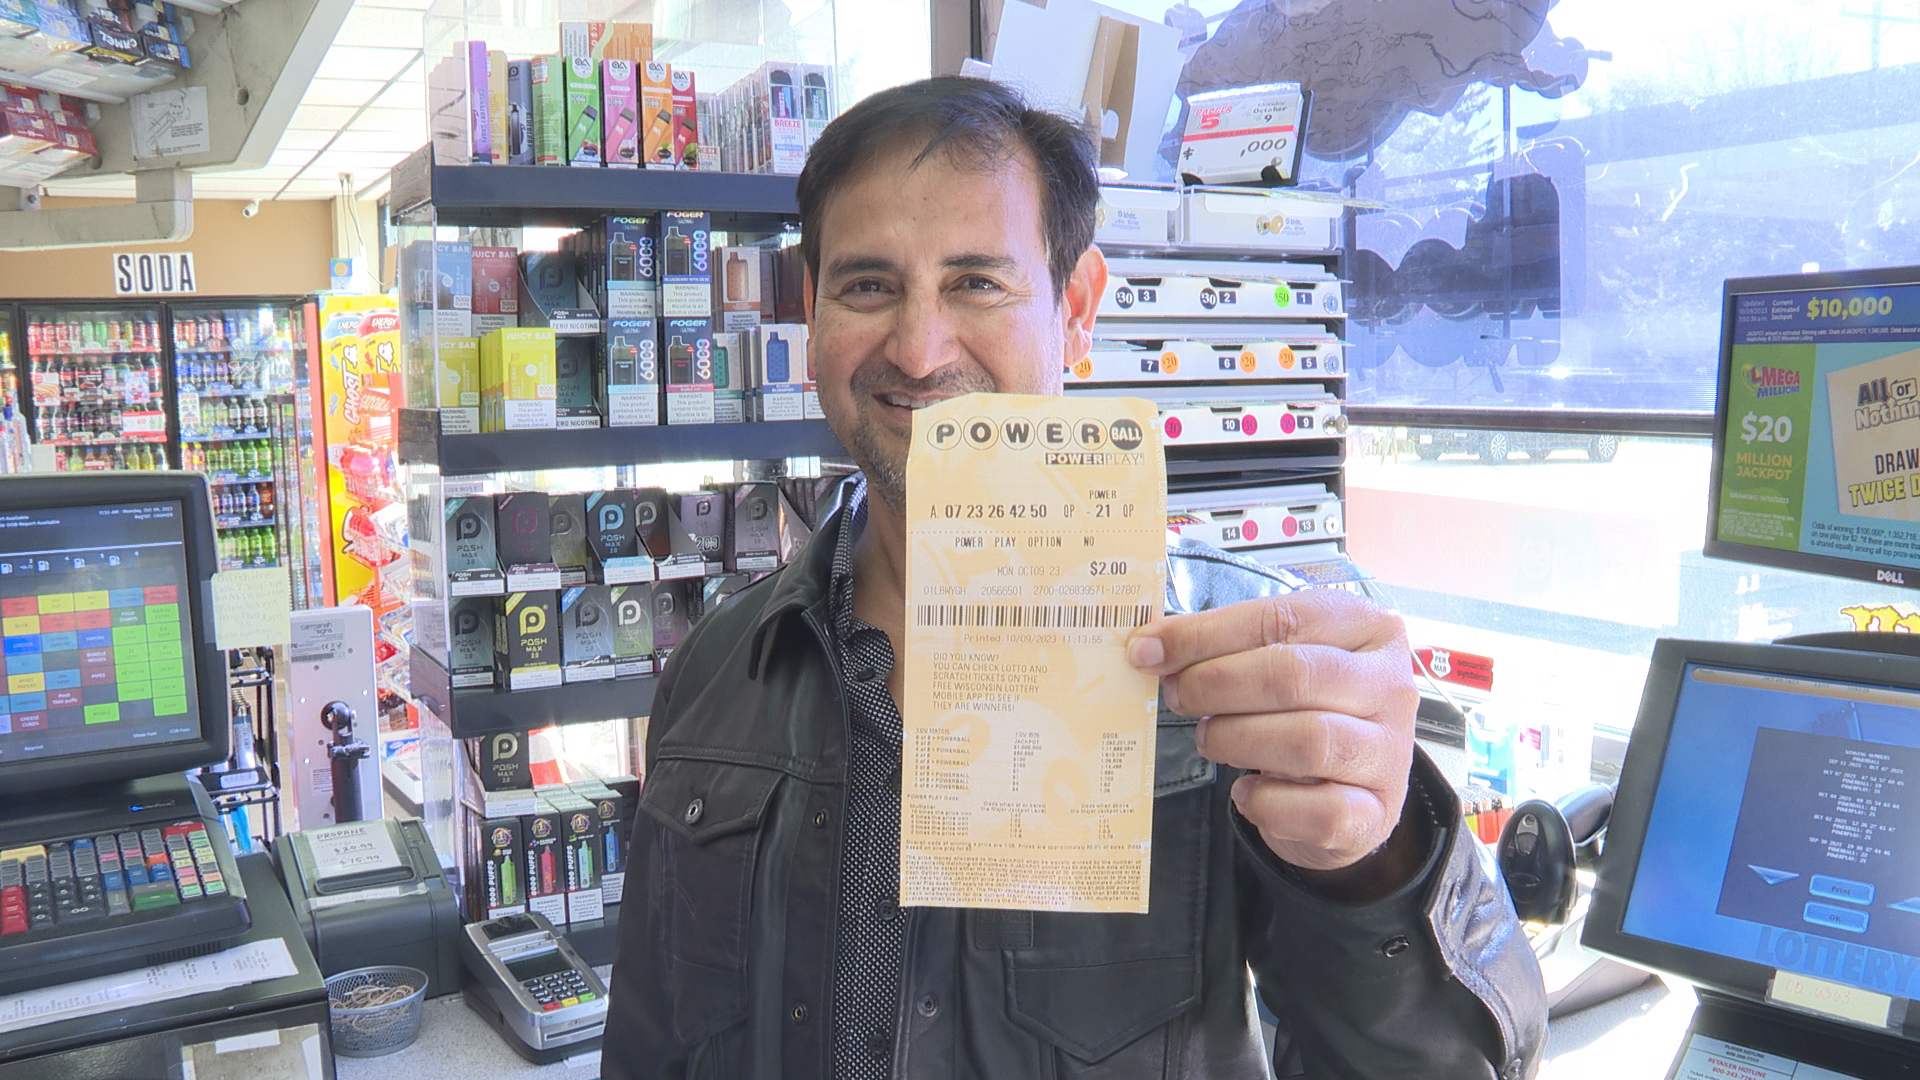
{"points": [[829, 1019]]}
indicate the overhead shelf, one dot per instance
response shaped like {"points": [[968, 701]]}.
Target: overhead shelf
{"points": [[475, 713], [505, 196], [526, 451]]}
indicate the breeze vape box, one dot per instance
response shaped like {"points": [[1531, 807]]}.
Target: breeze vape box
{"points": [[546, 862], [527, 640], [632, 607], [656, 115], [458, 373], [517, 373], [470, 649], [704, 516], [816, 99], [549, 117], [630, 387], [613, 542], [753, 530], [503, 866], [672, 616], [575, 394], [620, 104], [581, 83], [686, 275], [496, 290], [520, 112], [473, 565], [780, 354], [523, 527], [479, 103], [586, 634], [567, 526]]}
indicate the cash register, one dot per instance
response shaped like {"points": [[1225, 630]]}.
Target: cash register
{"points": [[111, 857], [1765, 847]]}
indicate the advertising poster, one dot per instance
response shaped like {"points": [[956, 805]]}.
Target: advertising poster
{"points": [[1823, 425], [348, 384]]}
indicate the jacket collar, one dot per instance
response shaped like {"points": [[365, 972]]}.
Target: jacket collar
{"points": [[803, 584]]}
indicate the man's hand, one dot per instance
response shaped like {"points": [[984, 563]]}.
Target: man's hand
{"points": [[1312, 693]]}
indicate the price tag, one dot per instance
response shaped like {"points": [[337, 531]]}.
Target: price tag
{"points": [[143, 423]]}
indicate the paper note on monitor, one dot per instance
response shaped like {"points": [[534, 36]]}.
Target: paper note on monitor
{"points": [[1036, 543]]}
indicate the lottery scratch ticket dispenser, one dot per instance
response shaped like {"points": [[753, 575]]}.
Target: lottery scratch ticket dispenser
{"points": [[1765, 846]]}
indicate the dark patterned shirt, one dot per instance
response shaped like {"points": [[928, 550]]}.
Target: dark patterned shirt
{"points": [[866, 980]]}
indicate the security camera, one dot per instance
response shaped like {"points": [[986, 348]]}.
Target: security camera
{"points": [[250, 209]]}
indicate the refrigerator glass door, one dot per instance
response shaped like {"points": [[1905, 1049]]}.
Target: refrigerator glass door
{"points": [[94, 376]]}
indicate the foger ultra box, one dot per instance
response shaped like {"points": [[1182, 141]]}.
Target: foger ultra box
{"points": [[630, 387], [688, 344], [632, 630], [686, 265], [527, 640], [586, 634]]}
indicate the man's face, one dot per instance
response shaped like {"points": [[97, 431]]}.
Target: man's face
{"points": [[933, 283]]}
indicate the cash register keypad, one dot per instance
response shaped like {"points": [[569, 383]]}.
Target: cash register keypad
{"points": [[560, 989], [104, 877]]}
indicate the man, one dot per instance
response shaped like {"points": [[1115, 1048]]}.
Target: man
{"points": [[1296, 834]]}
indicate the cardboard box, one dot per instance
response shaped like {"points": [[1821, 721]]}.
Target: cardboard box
{"points": [[526, 635], [549, 116], [520, 112], [458, 385], [614, 556], [656, 115], [523, 531], [630, 388], [473, 565], [576, 360], [567, 523], [546, 877], [1245, 135], [518, 376], [686, 120], [448, 125], [704, 516], [503, 867], [586, 634], [688, 345], [632, 607], [620, 105], [686, 266], [673, 603], [753, 529], [496, 290], [625, 274], [779, 375], [581, 83], [470, 650], [729, 378]]}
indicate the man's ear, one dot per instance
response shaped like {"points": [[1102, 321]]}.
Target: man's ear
{"points": [[1081, 303], [806, 296]]}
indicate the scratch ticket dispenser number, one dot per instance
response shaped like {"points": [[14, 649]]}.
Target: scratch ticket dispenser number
{"points": [[1036, 545]]}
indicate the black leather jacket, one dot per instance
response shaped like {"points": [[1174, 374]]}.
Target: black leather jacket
{"points": [[726, 953]]}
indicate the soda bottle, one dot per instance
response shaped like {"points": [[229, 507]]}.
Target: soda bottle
{"points": [[266, 501]]}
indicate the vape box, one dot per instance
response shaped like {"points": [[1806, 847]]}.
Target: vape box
{"points": [[497, 104], [575, 361], [779, 378], [686, 276], [816, 99], [567, 525], [470, 642], [632, 607], [440, 276], [729, 378], [652, 523], [549, 117], [526, 639], [502, 867], [753, 530], [496, 290], [627, 281], [517, 374], [546, 878], [656, 115], [714, 591], [586, 633], [611, 810], [582, 849], [458, 375], [581, 84], [780, 87], [629, 41], [547, 283], [479, 103], [519, 112], [630, 388], [614, 556], [523, 530], [704, 516], [672, 616], [473, 566], [620, 104], [688, 345], [506, 774], [743, 287], [686, 119]]}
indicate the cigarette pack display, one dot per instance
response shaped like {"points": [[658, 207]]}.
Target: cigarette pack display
{"points": [[632, 607], [470, 650], [18, 18], [624, 275], [686, 278], [546, 877], [673, 603], [61, 28], [743, 287], [575, 364], [688, 344], [480, 102], [526, 639], [630, 389], [620, 104], [1249, 134], [656, 115], [686, 120], [517, 375], [629, 41], [523, 531], [729, 378], [496, 289], [753, 529], [581, 39], [584, 901], [548, 120], [548, 284], [581, 80], [567, 529], [614, 556], [779, 379], [458, 372], [497, 105], [502, 867], [586, 633], [473, 565], [520, 112], [704, 516]]}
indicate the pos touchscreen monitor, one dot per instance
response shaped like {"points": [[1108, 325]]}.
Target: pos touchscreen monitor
{"points": [[1768, 820], [106, 635]]}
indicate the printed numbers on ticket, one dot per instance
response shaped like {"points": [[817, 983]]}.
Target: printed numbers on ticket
{"points": [[1036, 536]]}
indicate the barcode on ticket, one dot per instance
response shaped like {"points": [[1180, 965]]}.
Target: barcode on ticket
{"points": [[1035, 616]]}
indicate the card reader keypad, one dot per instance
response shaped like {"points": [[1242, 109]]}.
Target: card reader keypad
{"points": [[62, 882], [559, 990]]}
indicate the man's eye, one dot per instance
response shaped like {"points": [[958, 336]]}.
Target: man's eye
{"points": [[865, 285], [979, 284]]}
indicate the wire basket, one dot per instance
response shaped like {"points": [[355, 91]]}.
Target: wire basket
{"points": [[375, 1010]]}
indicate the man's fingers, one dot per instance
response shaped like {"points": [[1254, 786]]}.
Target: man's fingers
{"points": [[1306, 746], [1315, 826], [1320, 616], [1286, 678]]}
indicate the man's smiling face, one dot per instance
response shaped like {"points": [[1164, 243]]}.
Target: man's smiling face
{"points": [[933, 283]]}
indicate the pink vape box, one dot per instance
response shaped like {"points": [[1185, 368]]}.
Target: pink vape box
{"points": [[620, 105]]}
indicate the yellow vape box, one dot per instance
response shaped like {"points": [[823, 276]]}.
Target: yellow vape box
{"points": [[459, 377], [518, 375]]}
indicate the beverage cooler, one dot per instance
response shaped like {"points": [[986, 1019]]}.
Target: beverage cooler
{"points": [[216, 386]]}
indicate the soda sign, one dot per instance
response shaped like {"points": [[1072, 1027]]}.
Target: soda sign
{"points": [[150, 273]]}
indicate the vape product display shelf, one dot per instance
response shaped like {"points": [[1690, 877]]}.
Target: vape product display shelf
{"points": [[475, 713], [510, 196], [421, 443]]}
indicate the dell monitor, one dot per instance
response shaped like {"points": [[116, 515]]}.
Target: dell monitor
{"points": [[1816, 445]]}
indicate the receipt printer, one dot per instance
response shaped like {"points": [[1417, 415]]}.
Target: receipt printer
{"points": [[373, 892]]}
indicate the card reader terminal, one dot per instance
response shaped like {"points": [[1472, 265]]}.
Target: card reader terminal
{"points": [[536, 991]]}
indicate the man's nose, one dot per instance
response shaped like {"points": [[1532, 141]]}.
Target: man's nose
{"points": [[924, 337]]}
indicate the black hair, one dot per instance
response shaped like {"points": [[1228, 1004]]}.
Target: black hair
{"points": [[981, 123]]}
